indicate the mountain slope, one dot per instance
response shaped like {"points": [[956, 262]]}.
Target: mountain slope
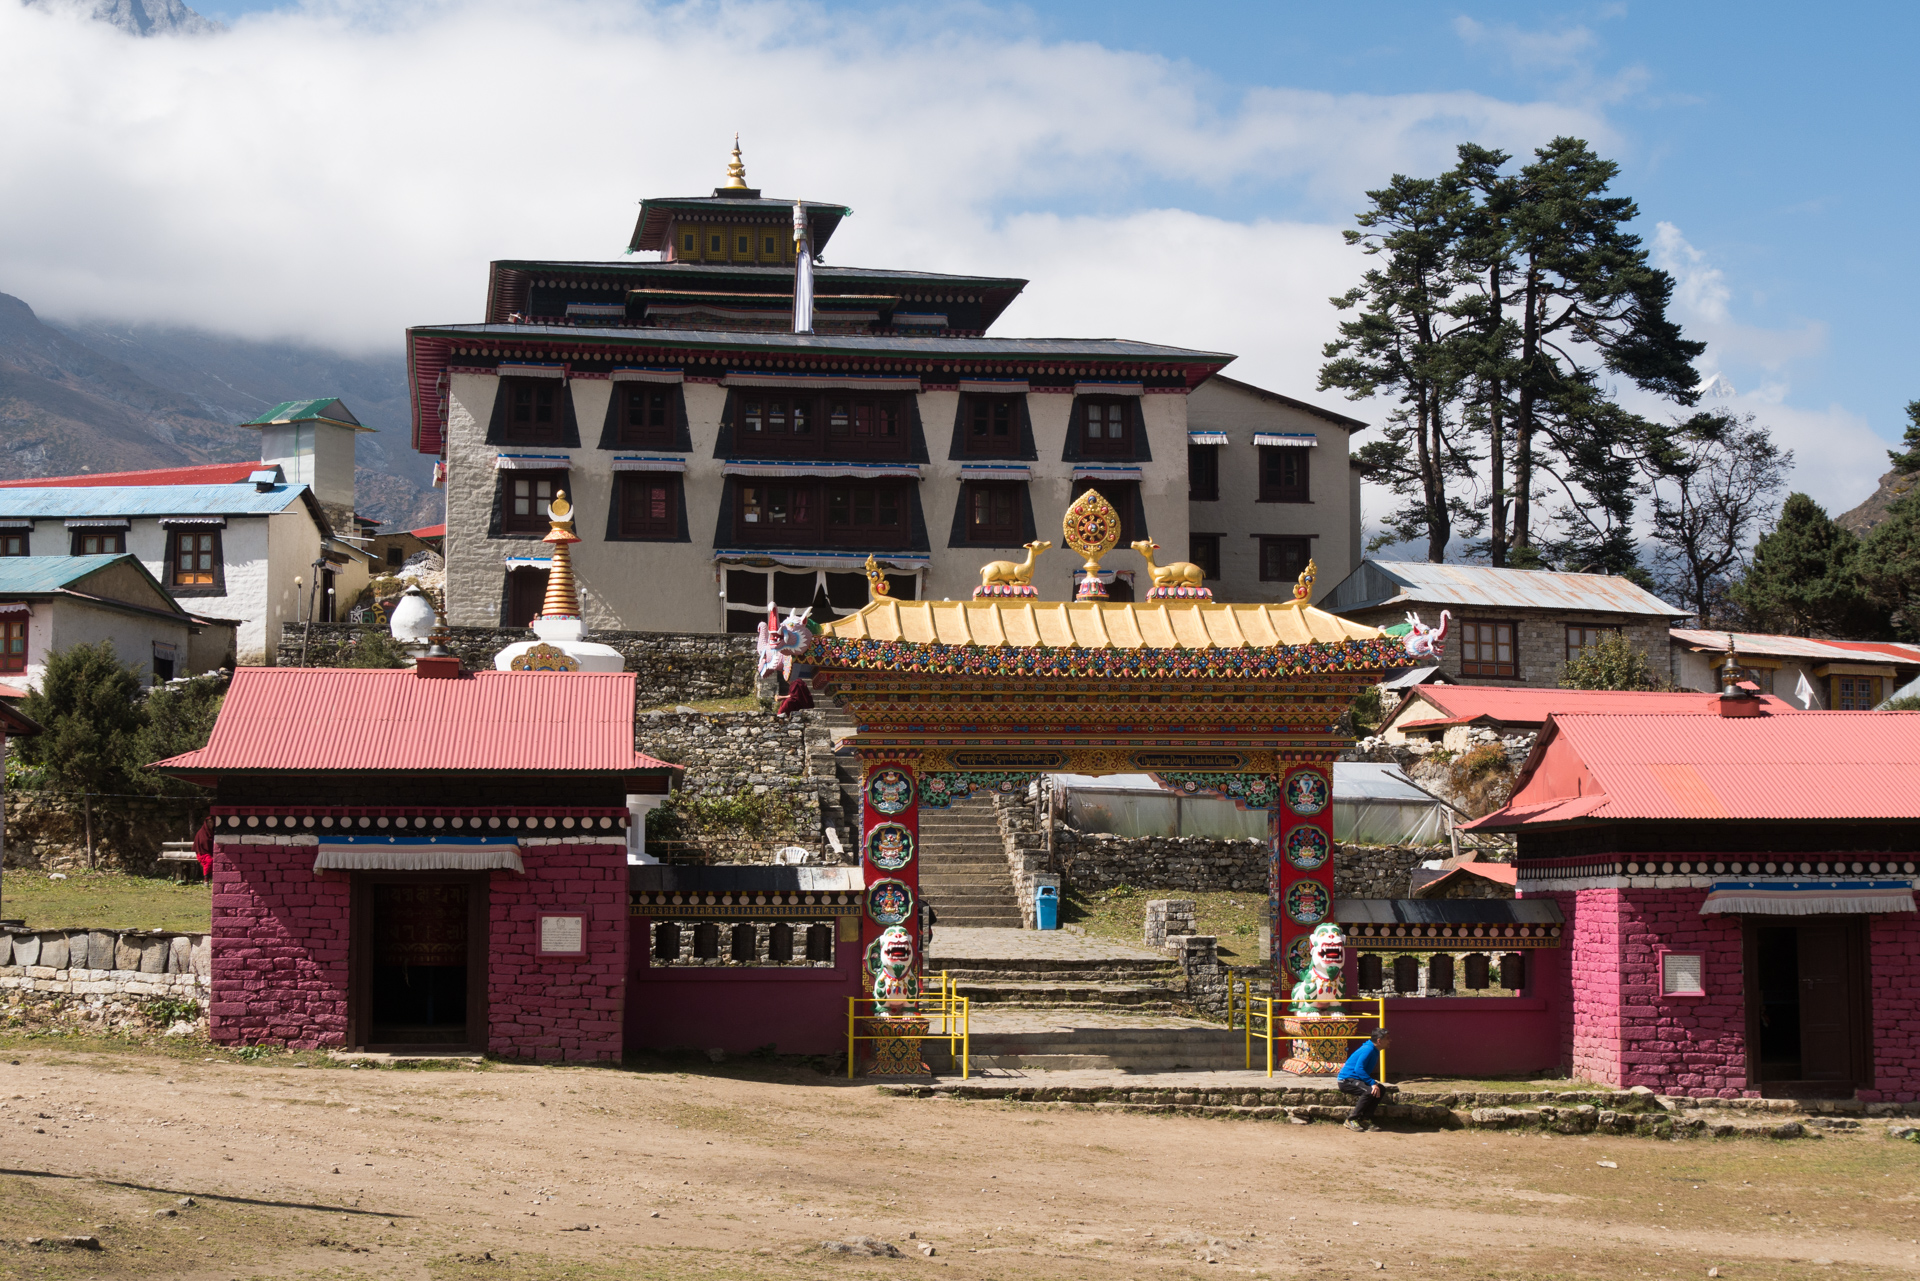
{"points": [[140, 17], [107, 397]]}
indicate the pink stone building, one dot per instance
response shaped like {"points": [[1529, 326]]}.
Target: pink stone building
{"points": [[1738, 888], [423, 859]]}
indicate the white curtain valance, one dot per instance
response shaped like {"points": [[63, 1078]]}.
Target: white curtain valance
{"points": [[1109, 389], [1280, 438], [649, 375], [508, 369], [531, 462], [218, 522], [402, 856], [995, 386], [851, 561], [826, 381], [16, 609], [1106, 473], [995, 471], [1808, 898], [1208, 438], [16, 524], [99, 522], [820, 469], [649, 464]]}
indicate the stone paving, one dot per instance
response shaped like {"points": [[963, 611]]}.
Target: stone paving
{"points": [[1120, 1078], [957, 943]]}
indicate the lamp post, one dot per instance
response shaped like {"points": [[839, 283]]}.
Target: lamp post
{"points": [[306, 639]]}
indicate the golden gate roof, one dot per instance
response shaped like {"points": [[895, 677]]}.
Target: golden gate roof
{"points": [[1166, 625]]}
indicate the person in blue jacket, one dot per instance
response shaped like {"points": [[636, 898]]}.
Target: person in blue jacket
{"points": [[1358, 1077]]}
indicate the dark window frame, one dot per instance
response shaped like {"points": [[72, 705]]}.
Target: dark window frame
{"points": [[983, 415], [1203, 473], [1133, 512], [1493, 668], [1603, 629], [1204, 551], [1002, 499], [670, 430], [521, 584], [840, 424], [565, 430], [625, 526], [1106, 445], [7, 540], [1278, 488], [509, 524], [216, 584], [84, 532], [814, 501], [1273, 566]]}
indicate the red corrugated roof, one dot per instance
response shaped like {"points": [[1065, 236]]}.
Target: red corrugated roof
{"points": [[12, 691], [205, 474], [318, 718], [1466, 703], [1813, 765], [429, 531]]}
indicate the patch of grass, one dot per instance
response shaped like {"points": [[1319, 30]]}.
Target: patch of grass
{"points": [[106, 901], [1233, 916]]}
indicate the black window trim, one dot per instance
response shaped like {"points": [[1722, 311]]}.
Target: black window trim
{"points": [[1259, 555], [498, 433], [1264, 495], [958, 536], [1023, 449], [1076, 421], [219, 585], [682, 429], [727, 537], [616, 508], [496, 526]]}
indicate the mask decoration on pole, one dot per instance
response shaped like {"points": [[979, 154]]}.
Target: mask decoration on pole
{"points": [[1319, 992], [896, 986]]}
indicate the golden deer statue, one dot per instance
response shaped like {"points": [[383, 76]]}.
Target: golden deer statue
{"points": [[1179, 573], [1010, 572]]}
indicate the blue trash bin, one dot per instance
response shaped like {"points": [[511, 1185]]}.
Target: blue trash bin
{"points": [[1046, 907]]}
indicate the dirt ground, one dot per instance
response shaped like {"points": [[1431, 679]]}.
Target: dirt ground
{"points": [[675, 1170]]}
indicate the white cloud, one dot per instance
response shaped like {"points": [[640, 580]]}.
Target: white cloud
{"points": [[339, 171], [1702, 302]]}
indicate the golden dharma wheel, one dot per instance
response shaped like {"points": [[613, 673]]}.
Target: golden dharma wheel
{"points": [[1091, 527]]}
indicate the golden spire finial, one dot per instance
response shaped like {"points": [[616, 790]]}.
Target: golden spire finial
{"points": [[561, 599], [736, 169], [877, 584]]}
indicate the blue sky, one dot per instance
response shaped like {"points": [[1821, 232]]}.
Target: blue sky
{"points": [[1173, 173]]}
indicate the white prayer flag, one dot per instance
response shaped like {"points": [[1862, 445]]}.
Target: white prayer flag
{"points": [[1804, 692], [802, 272]]}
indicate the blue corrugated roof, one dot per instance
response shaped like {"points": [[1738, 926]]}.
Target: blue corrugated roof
{"points": [[22, 574], [60, 503]]}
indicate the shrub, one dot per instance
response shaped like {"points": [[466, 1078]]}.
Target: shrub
{"points": [[1611, 663], [1481, 780], [375, 647]]}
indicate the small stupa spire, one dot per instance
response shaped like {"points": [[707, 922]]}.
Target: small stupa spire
{"points": [[562, 601], [736, 169]]}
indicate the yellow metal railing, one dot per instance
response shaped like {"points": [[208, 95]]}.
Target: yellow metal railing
{"points": [[939, 1004], [1260, 1010]]}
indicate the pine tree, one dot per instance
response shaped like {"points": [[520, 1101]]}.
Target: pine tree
{"points": [[89, 713], [1908, 459], [1805, 579], [1890, 561]]}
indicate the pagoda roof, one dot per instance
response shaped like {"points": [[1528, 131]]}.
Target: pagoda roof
{"points": [[835, 344], [1096, 624], [750, 271], [657, 213]]}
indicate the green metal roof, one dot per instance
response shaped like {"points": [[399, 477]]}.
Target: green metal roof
{"points": [[41, 574], [325, 409]]}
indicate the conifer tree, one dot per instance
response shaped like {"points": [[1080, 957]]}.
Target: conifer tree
{"points": [[1908, 459], [1890, 562], [1805, 579]]}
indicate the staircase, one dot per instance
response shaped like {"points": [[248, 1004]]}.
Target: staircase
{"points": [[963, 867]]}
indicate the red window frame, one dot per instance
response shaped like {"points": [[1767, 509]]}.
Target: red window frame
{"points": [[991, 426], [1490, 647], [993, 512], [649, 505], [525, 497], [1106, 427], [1283, 474], [13, 643]]}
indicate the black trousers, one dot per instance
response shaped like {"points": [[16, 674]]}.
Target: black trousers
{"points": [[1363, 1104]]}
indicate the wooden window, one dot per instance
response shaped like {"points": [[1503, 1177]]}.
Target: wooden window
{"points": [[1124, 495], [1204, 551], [716, 244], [772, 425], [1106, 428], [774, 421], [17, 544], [535, 414], [525, 497], [993, 512], [194, 557], [993, 426], [1855, 693], [814, 513], [689, 242], [743, 245], [1203, 473], [99, 542], [649, 505], [1488, 649], [647, 414], [862, 421], [13, 644], [526, 594], [1581, 638], [770, 247], [1283, 474], [1283, 559]]}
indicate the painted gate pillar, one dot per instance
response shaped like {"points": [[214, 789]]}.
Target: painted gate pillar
{"points": [[890, 858], [1302, 876]]}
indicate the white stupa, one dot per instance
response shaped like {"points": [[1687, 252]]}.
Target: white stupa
{"points": [[560, 631]]}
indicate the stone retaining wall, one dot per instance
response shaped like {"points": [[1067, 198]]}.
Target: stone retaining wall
{"points": [[106, 964], [748, 754], [674, 667], [1101, 860], [48, 831]]}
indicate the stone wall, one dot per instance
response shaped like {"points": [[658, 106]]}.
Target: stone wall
{"points": [[280, 950], [1542, 639], [1024, 839], [1100, 860], [570, 1007], [739, 754], [48, 831], [674, 667], [1893, 960], [106, 965]]}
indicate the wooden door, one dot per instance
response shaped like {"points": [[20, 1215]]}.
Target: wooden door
{"points": [[1833, 1008]]}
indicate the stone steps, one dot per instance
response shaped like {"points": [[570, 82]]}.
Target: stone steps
{"points": [[963, 868], [1123, 1048], [1093, 995]]}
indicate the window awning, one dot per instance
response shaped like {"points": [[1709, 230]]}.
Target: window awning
{"points": [[1091, 471], [16, 609], [394, 854], [1808, 898], [995, 471], [508, 369], [531, 462], [216, 521], [1108, 389], [819, 469], [838, 382], [1207, 438], [649, 464], [1283, 438], [99, 522], [649, 376], [992, 386]]}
